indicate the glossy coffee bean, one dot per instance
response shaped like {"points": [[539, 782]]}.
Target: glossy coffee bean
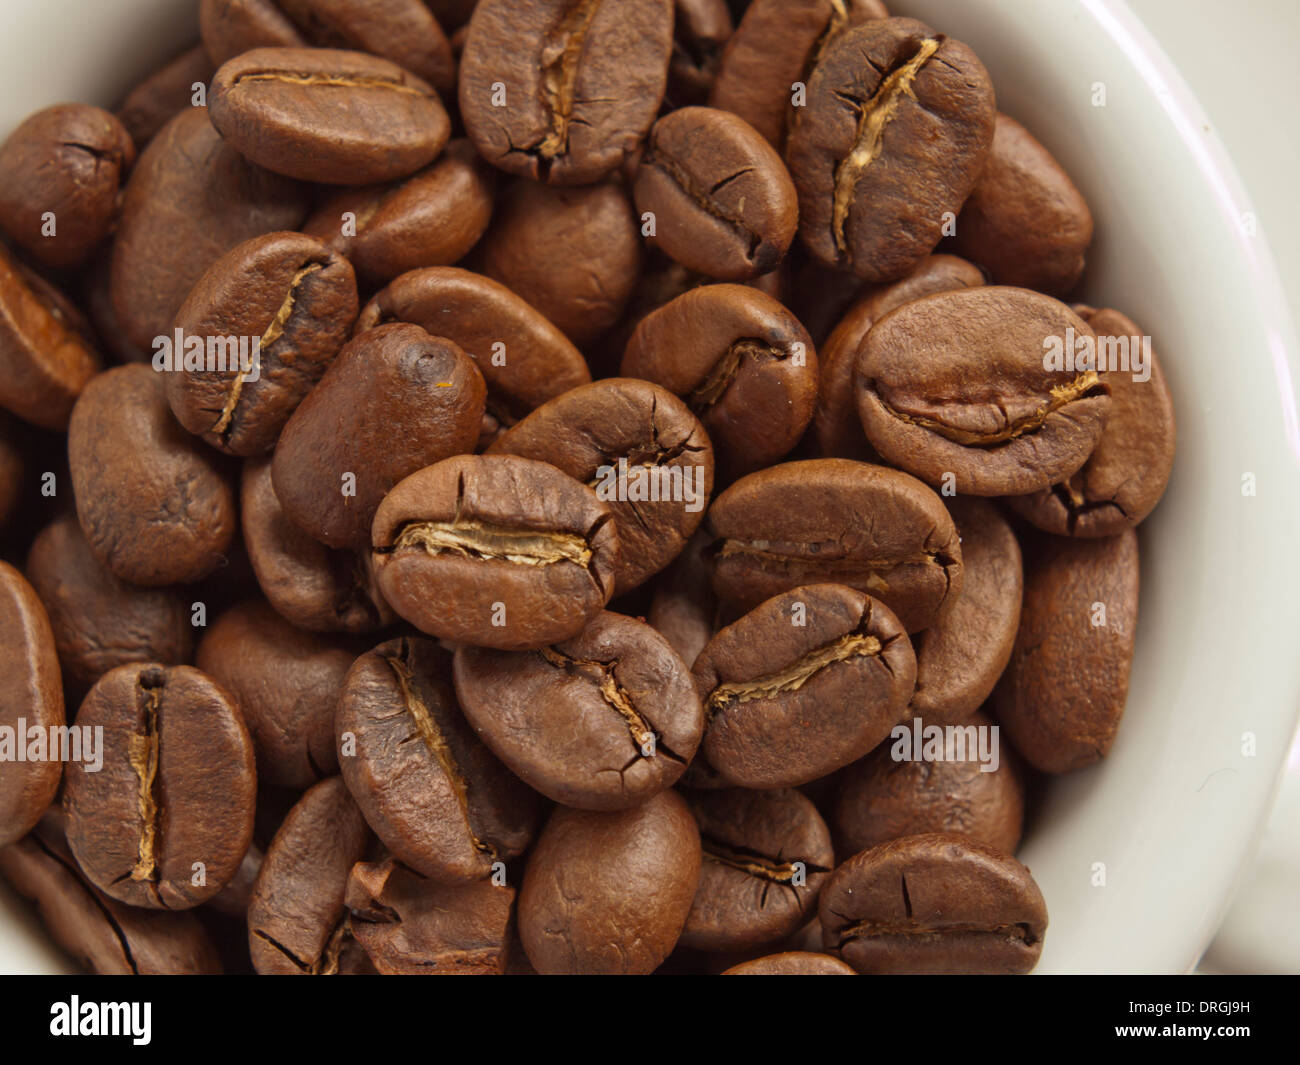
{"points": [[602, 721], [164, 93], [701, 29], [608, 893], [498, 552], [157, 506], [394, 400], [805, 683], [436, 797], [165, 821], [792, 963], [934, 903], [800, 523]]}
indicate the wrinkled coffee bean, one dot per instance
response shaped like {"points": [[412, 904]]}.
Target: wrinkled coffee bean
{"points": [[792, 963], [165, 93]]}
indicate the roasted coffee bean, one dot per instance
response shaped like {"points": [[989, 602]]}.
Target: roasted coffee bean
{"points": [[836, 422], [97, 297], [701, 28], [963, 907], [104, 935], [803, 523], [563, 90], [684, 609], [232, 27], [1025, 222], [99, 621], [67, 162], [11, 467], [574, 254], [719, 194], [741, 362], [297, 922], [643, 452], [885, 796], [46, 351], [766, 855], [808, 681], [317, 588], [330, 116], [524, 359], [1127, 472], [431, 219], [165, 93], [436, 797], [31, 706], [498, 552], [960, 657], [190, 199], [600, 722], [896, 130], [411, 926], [281, 306], [286, 683], [1063, 693], [792, 963], [165, 820], [156, 505], [393, 401], [961, 389], [608, 893]]}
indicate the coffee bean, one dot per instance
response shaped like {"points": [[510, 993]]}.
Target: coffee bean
{"points": [[498, 552], [1063, 693], [156, 505], [701, 28], [394, 400], [166, 819], [959, 389], [602, 721], [436, 797], [792, 963], [296, 301], [232, 27], [896, 130], [329, 116], [608, 893], [163, 94], [801, 523], [562, 91]]}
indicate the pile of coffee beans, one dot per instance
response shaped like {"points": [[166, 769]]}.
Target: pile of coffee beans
{"points": [[560, 486]]}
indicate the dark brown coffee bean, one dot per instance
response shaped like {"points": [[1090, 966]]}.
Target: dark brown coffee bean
{"points": [[802, 523], [960, 657], [393, 401], [600, 722], [836, 423], [297, 922], [60, 172], [960, 791], [524, 359], [100, 622], [896, 130], [720, 196], [498, 552], [684, 609], [792, 963], [330, 116], [962, 908], [1127, 472], [436, 797], [411, 926], [1025, 222], [701, 28], [808, 681], [156, 505], [286, 683], [766, 855], [102, 934], [563, 91], [574, 254], [11, 467], [315, 587], [431, 219], [741, 362], [608, 893], [31, 700], [960, 388], [165, 93], [189, 200], [290, 296], [643, 452], [1063, 693], [232, 27], [166, 819]]}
